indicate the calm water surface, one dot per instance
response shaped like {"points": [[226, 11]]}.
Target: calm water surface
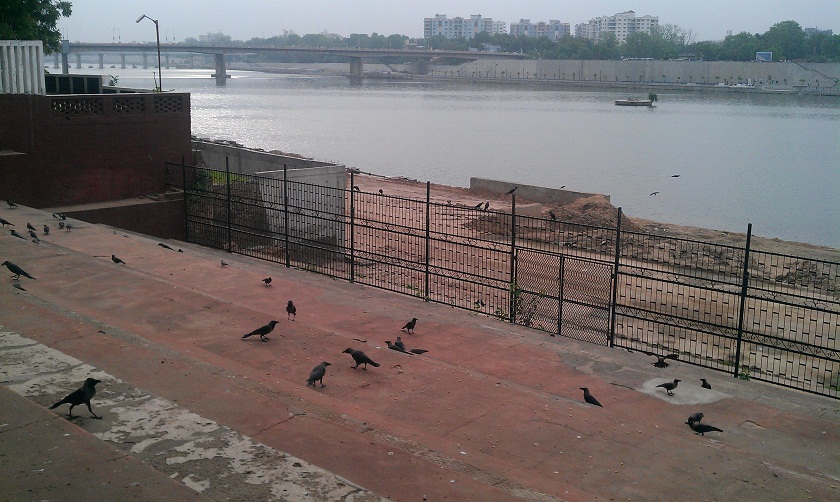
{"points": [[770, 160]]}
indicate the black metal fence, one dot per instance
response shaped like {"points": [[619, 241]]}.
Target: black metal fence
{"points": [[750, 313]]}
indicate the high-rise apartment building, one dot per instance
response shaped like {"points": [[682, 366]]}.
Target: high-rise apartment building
{"points": [[621, 25], [460, 27], [553, 29]]}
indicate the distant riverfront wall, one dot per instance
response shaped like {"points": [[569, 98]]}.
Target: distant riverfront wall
{"points": [[791, 76], [530, 192]]}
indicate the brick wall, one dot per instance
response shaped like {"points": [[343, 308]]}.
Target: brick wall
{"points": [[79, 149]]}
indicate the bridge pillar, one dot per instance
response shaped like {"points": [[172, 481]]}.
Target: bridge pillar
{"points": [[122, 61], [145, 61], [78, 60], [101, 60], [356, 69], [166, 56], [192, 60], [56, 60], [221, 73]]}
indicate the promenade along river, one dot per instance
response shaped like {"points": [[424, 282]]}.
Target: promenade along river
{"points": [[769, 160]]}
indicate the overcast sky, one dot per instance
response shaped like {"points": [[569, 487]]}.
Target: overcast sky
{"points": [[114, 20]]}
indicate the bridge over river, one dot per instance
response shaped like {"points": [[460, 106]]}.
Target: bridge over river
{"points": [[354, 55]]}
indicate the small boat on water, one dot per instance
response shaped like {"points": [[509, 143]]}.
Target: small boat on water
{"points": [[634, 102]]}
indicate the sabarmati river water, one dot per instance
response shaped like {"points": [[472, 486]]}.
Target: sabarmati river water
{"points": [[769, 160]]}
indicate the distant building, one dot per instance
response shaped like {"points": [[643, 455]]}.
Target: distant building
{"points": [[460, 27], [553, 29], [621, 25], [810, 32]]}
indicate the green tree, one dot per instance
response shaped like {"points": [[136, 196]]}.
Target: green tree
{"points": [[785, 39], [33, 20]]}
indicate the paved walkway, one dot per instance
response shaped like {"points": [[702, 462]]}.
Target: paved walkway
{"points": [[492, 412]]}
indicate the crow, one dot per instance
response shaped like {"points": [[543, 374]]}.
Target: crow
{"points": [[82, 395], [291, 310], [267, 281], [11, 204], [356, 189], [381, 192], [5, 222], [669, 386], [702, 429], [397, 348], [660, 360], [478, 206], [317, 374], [360, 358], [262, 331], [224, 264], [46, 230], [116, 260], [589, 398], [29, 226], [653, 193], [552, 215], [60, 224], [68, 226], [487, 205], [509, 192], [705, 384], [694, 417], [675, 175], [15, 270], [165, 246], [399, 343], [15, 234], [409, 326]]}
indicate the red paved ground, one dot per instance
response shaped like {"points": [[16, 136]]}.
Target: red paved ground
{"points": [[492, 412]]}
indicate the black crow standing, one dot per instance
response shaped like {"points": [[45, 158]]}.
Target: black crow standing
{"points": [[509, 192], [397, 348], [116, 260], [589, 398], [82, 395], [660, 360], [487, 205], [409, 326], [11, 204], [360, 358], [669, 386], [60, 224], [29, 226], [705, 384], [15, 270], [399, 343], [262, 331], [552, 215], [381, 192], [478, 206], [224, 263], [291, 310], [267, 281], [694, 417], [317, 374], [356, 189], [5, 222], [46, 230]]}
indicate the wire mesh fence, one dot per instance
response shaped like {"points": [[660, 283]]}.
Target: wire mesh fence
{"points": [[749, 313]]}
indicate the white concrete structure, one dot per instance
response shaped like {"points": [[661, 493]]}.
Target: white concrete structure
{"points": [[553, 29], [22, 67], [622, 25], [459, 27]]}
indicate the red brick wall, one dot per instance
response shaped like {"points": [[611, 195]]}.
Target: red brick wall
{"points": [[90, 148]]}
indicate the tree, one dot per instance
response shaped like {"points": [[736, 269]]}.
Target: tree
{"points": [[33, 20], [787, 39]]}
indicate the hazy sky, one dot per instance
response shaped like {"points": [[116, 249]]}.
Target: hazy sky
{"points": [[114, 20]]}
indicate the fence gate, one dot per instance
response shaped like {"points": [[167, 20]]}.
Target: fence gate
{"points": [[565, 295]]}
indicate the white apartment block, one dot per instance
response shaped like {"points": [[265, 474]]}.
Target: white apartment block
{"points": [[460, 27], [553, 29], [621, 25]]}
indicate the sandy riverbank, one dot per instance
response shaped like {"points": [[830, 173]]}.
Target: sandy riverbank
{"points": [[596, 211]]}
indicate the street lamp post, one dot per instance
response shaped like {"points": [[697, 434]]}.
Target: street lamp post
{"points": [[157, 35]]}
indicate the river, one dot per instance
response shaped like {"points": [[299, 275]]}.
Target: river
{"points": [[769, 160]]}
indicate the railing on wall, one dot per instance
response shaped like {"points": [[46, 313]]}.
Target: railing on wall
{"points": [[746, 312]]}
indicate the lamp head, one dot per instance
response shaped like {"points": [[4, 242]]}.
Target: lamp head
{"points": [[141, 18]]}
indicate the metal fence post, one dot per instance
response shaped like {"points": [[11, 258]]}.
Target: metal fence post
{"points": [[227, 180], [616, 264], [186, 205], [513, 286], [745, 282], [286, 217], [428, 223], [560, 276], [352, 227]]}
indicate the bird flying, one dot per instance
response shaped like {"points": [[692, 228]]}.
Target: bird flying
{"points": [[360, 358], [262, 331], [317, 374], [653, 193], [15, 270], [82, 395]]}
